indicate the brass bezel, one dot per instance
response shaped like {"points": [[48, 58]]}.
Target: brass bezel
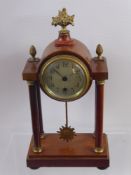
{"points": [[74, 59]]}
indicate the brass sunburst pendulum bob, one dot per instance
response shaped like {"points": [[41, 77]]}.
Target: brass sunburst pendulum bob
{"points": [[66, 132]]}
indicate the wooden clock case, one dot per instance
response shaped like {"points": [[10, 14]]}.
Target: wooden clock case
{"points": [[86, 149]]}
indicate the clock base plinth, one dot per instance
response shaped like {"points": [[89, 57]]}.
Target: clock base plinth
{"points": [[77, 153]]}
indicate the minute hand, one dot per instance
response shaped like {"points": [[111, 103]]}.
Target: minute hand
{"points": [[58, 73]]}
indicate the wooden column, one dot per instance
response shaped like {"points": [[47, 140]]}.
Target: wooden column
{"points": [[35, 116], [99, 101], [40, 111]]}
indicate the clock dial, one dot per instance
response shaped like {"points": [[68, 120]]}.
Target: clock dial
{"points": [[64, 77]]}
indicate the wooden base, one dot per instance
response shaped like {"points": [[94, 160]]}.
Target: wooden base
{"points": [[77, 153]]}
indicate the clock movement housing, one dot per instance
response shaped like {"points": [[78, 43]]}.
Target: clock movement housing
{"points": [[76, 54]]}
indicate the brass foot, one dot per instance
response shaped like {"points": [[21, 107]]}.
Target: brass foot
{"points": [[99, 150]]}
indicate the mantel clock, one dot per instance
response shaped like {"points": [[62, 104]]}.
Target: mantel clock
{"points": [[65, 73]]}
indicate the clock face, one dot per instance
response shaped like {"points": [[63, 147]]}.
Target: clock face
{"points": [[65, 78]]}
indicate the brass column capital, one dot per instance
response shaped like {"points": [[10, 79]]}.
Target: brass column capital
{"points": [[31, 83], [100, 82]]}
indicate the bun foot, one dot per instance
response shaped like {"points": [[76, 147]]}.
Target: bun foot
{"points": [[34, 168], [102, 168]]}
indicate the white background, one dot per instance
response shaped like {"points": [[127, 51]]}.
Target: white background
{"points": [[27, 22]]}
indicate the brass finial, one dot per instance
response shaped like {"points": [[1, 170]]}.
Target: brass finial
{"points": [[63, 20], [99, 51], [33, 52]]}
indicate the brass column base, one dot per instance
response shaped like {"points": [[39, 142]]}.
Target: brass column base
{"points": [[37, 149], [42, 135], [99, 150]]}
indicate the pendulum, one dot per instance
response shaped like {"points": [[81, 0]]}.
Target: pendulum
{"points": [[66, 132]]}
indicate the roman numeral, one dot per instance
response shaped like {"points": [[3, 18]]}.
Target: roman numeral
{"points": [[78, 84], [73, 90], [65, 64], [57, 66]]}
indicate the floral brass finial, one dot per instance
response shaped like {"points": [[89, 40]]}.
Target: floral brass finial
{"points": [[99, 51], [63, 20]]}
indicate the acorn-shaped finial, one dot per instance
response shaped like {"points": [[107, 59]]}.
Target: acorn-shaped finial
{"points": [[33, 52], [99, 51]]}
